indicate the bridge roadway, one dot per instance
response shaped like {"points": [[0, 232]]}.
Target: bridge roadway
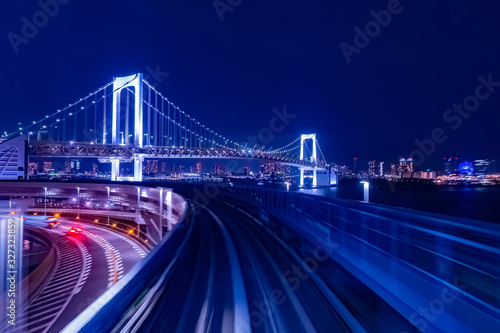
{"points": [[126, 153], [224, 272], [87, 265]]}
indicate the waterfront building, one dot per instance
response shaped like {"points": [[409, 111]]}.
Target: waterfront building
{"points": [[372, 172], [483, 167], [405, 168]]}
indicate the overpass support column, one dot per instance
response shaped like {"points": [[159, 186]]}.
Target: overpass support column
{"points": [[115, 170], [138, 159], [315, 177], [169, 210], [301, 177]]}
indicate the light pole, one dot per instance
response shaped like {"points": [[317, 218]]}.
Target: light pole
{"points": [[78, 202], [160, 226], [169, 210], [108, 188], [45, 201], [366, 187], [138, 212]]}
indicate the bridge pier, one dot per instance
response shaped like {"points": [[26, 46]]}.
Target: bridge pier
{"points": [[314, 178], [138, 160], [115, 170]]}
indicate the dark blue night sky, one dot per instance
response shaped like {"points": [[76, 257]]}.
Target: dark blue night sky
{"points": [[230, 74]]}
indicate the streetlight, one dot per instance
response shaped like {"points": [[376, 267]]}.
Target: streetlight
{"points": [[108, 188], [78, 202], [160, 229], [366, 187], [138, 212], [169, 210], [45, 201]]}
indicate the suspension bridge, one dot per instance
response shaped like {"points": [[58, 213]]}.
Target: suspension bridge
{"points": [[128, 120]]}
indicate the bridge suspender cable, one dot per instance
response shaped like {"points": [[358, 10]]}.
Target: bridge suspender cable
{"points": [[321, 151], [65, 109], [284, 147], [164, 125], [209, 134]]}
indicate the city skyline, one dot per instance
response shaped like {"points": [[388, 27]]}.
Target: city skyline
{"points": [[274, 77]]}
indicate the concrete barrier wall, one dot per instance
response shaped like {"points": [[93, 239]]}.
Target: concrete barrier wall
{"points": [[36, 280]]}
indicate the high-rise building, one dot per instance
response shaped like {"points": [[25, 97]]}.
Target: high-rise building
{"points": [[47, 167], [428, 174], [270, 167], [394, 170], [67, 167], [32, 168], [372, 169], [246, 171], [483, 167], [381, 169], [451, 165], [448, 166], [198, 168], [219, 171], [75, 166], [405, 168], [150, 167], [344, 170]]}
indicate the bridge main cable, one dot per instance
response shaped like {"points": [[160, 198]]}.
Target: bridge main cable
{"points": [[66, 113], [200, 131]]}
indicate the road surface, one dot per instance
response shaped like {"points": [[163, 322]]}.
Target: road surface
{"points": [[87, 265]]}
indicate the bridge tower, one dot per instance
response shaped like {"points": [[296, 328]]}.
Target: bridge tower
{"points": [[119, 83], [312, 158]]}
